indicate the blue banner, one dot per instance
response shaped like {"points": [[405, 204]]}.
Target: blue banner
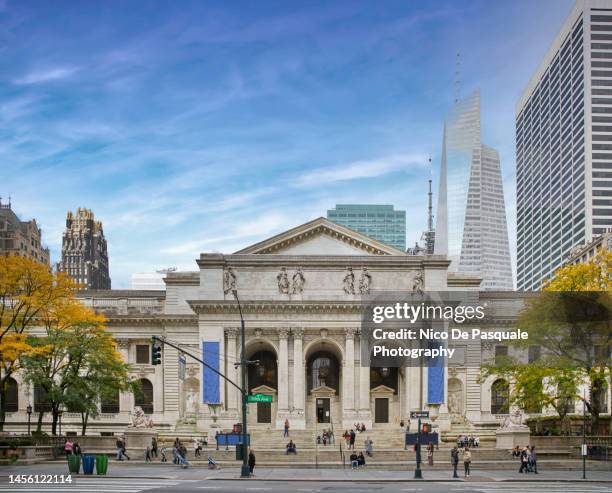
{"points": [[211, 386], [435, 377]]}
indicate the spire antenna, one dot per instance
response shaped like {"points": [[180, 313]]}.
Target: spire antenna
{"points": [[457, 82]]}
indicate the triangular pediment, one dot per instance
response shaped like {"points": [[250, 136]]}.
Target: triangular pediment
{"points": [[321, 237], [381, 389], [263, 389], [323, 391]]}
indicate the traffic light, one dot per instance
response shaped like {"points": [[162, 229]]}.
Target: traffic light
{"points": [[426, 427], [156, 351]]}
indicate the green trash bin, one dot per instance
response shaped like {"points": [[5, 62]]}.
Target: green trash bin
{"points": [[74, 463], [101, 464]]}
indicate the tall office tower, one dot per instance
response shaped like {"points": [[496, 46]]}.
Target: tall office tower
{"points": [[471, 226], [380, 222], [84, 250], [22, 238], [564, 145]]}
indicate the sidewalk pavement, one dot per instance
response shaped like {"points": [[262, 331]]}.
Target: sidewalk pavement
{"points": [[171, 471], [369, 475]]}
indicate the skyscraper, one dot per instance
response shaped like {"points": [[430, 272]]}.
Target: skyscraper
{"points": [[84, 250], [380, 222], [471, 225], [564, 145]]}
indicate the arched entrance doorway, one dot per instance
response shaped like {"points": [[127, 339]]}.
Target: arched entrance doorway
{"points": [[323, 384], [262, 378]]}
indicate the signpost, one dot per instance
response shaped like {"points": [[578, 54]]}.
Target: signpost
{"points": [[182, 366], [418, 474], [259, 398]]}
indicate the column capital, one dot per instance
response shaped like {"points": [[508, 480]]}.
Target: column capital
{"points": [[231, 332], [123, 343], [350, 332], [298, 332], [283, 333]]}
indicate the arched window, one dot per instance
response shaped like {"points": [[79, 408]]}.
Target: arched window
{"points": [[41, 401], [144, 396], [323, 369], [386, 376], [500, 397], [264, 373], [109, 404], [12, 395]]}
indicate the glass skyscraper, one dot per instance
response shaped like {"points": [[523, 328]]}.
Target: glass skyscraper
{"points": [[381, 222], [471, 227], [564, 146]]}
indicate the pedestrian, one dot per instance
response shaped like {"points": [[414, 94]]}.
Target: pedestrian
{"points": [[533, 458], [369, 446], [524, 460], [352, 440], [148, 454], [198, 449], [286, 434], [154, 447], [455, 460], [347, 438], [76, 450], [430, 453], [516, 452], [120, 444], [163, 454], [68, 446], [251, 462], [361, 459], [467, 461]]}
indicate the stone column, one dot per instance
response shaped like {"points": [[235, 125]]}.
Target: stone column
{"points": [[364, 387], [232, 371], [283, 371], [348, 376], [298, 371], [125, 398]]}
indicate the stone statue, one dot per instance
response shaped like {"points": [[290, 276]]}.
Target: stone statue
{"points": [[283, 281], [365, 281], [513, 421], [298, 281], [140, 419], [349, 281], [418, 283], [229, 280]]}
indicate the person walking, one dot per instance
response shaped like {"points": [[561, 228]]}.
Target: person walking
{"points": [[524, 460], [352, 447], [120, 444], [347, 439], [251, 462], [68, 445], [533, 460], [369, 446], [286, 433], [467, 461], [430, 453], [154, 447], [77, 450], [148, 454], [455, 460]]}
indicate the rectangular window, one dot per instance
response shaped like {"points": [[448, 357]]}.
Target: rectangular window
{"points": [[142, 354]]}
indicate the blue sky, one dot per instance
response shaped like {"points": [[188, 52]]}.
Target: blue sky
{"points": [[207, 126]]}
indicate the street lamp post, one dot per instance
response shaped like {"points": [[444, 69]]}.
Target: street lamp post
{"points": [[244, 472], [29, 411], [584, 445], [59, 415]]}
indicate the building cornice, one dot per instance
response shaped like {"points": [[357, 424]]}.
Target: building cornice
{"points": [[230, 306]]}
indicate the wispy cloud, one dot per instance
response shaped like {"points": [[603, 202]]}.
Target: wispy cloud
{"points": [[46, 75]]}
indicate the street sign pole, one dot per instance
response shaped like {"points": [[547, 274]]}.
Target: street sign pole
{"points": [[418, 473]]}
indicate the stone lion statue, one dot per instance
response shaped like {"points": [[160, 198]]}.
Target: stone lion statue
{"points": [[140, 419], [513, 421]]}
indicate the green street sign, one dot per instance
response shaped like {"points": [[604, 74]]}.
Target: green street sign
{"points": [[259, 398]]}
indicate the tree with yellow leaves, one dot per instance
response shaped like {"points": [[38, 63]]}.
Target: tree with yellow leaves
{"points": [[29, 291]]}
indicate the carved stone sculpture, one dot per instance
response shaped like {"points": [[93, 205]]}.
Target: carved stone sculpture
{"points": [[229, 280], [349, 281], [513, 421], [298, 281], [283, 281], [365, 281], [140, 419], [418, 283]]}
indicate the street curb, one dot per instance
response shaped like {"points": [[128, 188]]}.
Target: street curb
{"points": [[406, 480]]}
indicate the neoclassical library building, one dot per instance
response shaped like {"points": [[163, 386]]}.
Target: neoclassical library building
{"points": [[300, 293]]}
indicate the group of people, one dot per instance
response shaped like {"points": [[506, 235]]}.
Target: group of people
{"points": [[72, 448], [357, 460], [326, 437], [465, 441], [360, 427], [528, 458], [467, 460]]}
